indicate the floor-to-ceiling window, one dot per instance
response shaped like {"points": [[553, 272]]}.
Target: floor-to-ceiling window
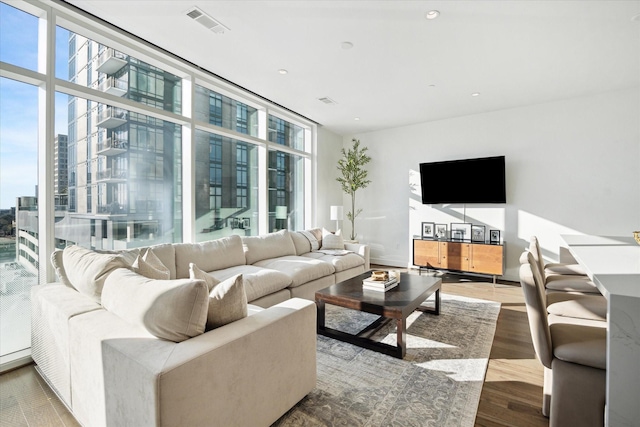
{"points": [[114, 138]]}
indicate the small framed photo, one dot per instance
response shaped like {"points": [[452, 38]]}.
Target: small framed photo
{"points": [[441, 231], [460, 231], [477, 233], [494, 237], [428, 230]]}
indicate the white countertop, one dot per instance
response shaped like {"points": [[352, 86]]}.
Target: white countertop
{"points": [[612, 262]]}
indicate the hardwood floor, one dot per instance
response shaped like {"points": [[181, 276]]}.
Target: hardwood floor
{"points": [[511, 394]]}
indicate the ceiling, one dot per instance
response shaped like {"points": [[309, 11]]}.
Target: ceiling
{"points": [[402, 68]]}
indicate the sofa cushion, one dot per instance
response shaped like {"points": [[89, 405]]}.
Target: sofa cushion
{"points": [[258, 281], [331, 240], [149, 265], [209, 256], [341, 262], [174, 310], [258, 248], [302, 243], [300, 269], [87, 270], [58, 265]]}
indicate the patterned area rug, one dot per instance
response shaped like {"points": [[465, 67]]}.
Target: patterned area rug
{"points": [[438, 383]]}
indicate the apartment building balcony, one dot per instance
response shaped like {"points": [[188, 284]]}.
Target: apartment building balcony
{"points": [[112, 147], [111, 61], [113, 208], [114, 86], [112, 117], [111, 175]]}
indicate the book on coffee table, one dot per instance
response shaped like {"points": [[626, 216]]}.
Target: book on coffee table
{"points": [[379, 288], [379, 285]]}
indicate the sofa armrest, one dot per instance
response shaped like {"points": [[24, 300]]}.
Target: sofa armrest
{"points": [[362, 250], [249, 372]]}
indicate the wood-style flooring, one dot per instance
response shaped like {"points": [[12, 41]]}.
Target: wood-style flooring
{"points": [[511, 394]]}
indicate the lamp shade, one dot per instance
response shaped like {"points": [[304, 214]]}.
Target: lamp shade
{"points": [[336, 213], [281, 212]]}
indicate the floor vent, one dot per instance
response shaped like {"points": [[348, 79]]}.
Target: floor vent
{"points": [[198, 15]]}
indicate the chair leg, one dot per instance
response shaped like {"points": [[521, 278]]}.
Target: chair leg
{"points": [[546, 392], [577, 395]]}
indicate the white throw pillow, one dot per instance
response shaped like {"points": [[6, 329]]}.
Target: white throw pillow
{"points": [[313, 241], [332, 241], [87, 270], [149, 265], [174, 310]]}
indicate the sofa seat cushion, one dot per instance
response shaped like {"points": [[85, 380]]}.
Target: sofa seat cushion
{"points": [[340, 263], [174, 310], [258, 281], [209, 256], [301, 269], [258, 248]]}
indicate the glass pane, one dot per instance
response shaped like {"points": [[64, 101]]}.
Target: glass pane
{"points": [[118, 178], [220, 110], [18, 37], [18, 213], [285, 133], [286, 191], [91, 64], [226, 187]]}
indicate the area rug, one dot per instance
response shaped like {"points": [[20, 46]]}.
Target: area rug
{"points": [[438, 383]]}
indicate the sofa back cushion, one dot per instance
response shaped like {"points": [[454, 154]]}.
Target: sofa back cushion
{"points": [[174, 310], [87, 270], [209, 256], [301, 243], [272, 245]]}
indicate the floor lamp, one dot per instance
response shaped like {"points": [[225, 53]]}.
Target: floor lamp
{"points": [[336, 215]]}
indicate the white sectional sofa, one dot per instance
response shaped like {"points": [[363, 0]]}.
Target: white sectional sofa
{"points": [[111, 368]]}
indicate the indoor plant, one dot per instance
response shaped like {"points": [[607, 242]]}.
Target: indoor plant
{"points": [[354, 177]]}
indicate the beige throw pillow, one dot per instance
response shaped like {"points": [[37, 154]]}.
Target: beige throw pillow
{"points": [[58, 265], [87, 270], [332, 241], [174, 310], [149, 265], [227, 299]]}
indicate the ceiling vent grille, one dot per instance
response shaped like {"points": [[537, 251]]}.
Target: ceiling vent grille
{"points": [[199, 16], [327, 100]]}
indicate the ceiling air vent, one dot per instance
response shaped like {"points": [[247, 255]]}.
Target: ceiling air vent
{"points": [[198, 15], [327, 100]]}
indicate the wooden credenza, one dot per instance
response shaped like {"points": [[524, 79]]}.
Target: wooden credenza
{"points": [[469, 257]]}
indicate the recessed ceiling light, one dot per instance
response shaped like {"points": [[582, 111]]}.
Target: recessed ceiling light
{"points": [[432, 14], [346, 45], [282, 71], [475, 94], [356, 118], [636, 17], [431, 86]]}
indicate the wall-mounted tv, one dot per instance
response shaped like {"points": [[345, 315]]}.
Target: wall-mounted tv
{"points": [[480, 180]]}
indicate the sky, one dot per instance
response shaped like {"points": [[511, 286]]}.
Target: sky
{"points": [[19, 103]]}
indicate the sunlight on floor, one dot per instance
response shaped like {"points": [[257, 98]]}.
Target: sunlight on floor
{"points": [[458, 369], [510, 369]]}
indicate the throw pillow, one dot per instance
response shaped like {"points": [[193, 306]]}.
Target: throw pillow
{"points": [[149, 265], [196, 273], [332, 241], [315, 245], [174, 310], [227, 302], [58, 265], [87, 270]]}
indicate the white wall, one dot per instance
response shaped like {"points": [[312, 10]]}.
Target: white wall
{"points": [[328, 190], [572, 166]]}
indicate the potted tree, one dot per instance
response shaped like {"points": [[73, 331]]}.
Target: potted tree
{"points": [[354, 177]]}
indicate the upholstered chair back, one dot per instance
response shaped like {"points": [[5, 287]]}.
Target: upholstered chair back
{"points": [[534, 249], [530, 281]]}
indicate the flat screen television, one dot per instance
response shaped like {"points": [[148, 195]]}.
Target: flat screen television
{"points": [[480, 180]]}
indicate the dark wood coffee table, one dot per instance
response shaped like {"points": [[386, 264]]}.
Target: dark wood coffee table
{"points": [[395, 304]]}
